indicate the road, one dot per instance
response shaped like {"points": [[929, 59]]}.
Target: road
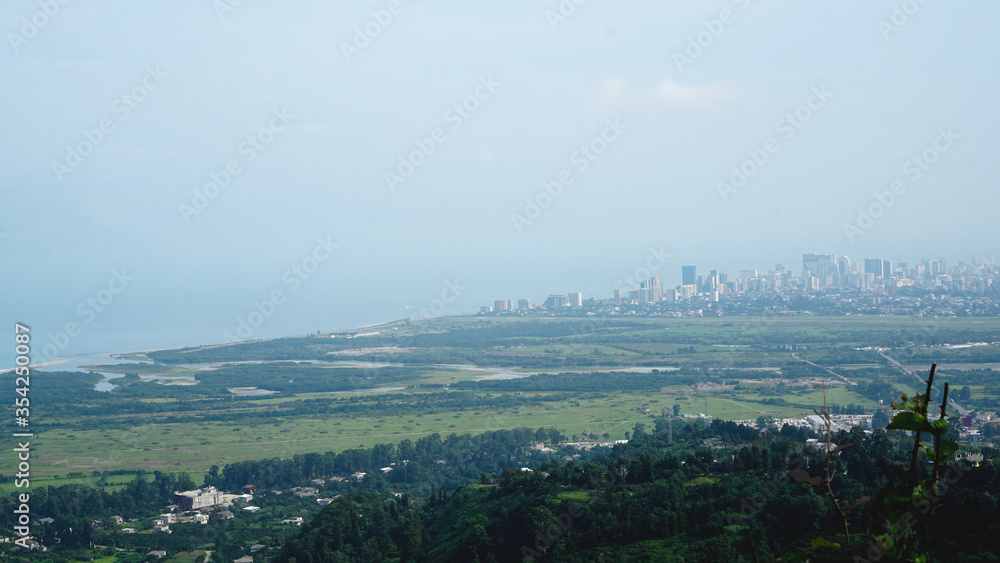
{"points": [[922, 382], [831, 372]]}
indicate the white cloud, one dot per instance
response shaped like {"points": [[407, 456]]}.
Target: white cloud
{"points": [[619, 95]]}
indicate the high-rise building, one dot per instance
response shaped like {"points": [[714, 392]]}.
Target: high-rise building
{"points": [[501, 305], [873, 266], [525, 304], [881, 268], [556, 300], [821, 266], [575, 299], [689, 275], [655, 289], [687, 291]]}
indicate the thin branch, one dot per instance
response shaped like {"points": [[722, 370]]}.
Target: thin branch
{"points": [[937, 437], [922, 409], [828, 420]]}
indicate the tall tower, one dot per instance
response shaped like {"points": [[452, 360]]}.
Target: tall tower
{"points": [[655, 289], [689, 275]]}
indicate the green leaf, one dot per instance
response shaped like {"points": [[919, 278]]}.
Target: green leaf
{"points": [[948, 448], [940, 427], [909, 421], [907, 404], [823, 542]]}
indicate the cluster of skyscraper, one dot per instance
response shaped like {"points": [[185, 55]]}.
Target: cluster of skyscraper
{"points": [[819, 272], [830, 270]]}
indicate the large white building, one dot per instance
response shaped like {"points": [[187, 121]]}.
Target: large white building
{"points": [[201, 498]]}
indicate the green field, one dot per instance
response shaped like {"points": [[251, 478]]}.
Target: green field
{"points": [[191, 428], [190, 446]]}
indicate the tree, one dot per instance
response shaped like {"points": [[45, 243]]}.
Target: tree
{"points": [[964, 394], [412, 537], [185, 482], [880, 420], [677, 409]]}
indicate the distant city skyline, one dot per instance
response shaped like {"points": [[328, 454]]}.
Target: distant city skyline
{"points": [[818, 272], [455, 297]]}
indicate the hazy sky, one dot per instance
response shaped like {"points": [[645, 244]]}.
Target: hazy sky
{"points": [[314, 107]]}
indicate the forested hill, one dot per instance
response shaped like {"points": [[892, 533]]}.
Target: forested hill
{"points": [[729, 500]]}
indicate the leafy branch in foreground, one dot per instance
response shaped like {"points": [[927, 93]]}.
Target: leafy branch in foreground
{"points": [[825, 481], [905, 503]]}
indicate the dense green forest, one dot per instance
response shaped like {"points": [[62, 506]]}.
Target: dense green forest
{"points": [[731, 499], [678, 490]]}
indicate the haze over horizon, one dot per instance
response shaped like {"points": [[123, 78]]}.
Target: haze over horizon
{"points": [[387, 149]]}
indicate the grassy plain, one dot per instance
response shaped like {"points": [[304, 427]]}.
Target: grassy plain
{"points": [[187, 440]]}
